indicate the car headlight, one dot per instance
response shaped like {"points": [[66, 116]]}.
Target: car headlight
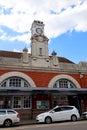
{"points": [[40, 117]]}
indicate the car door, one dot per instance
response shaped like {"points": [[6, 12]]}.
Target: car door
{"points": [[2, 116], [66, 113], [12, 115], [57, 114]]}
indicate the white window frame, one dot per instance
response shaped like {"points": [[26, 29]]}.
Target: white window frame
{"points": [[30, 102], [21, 102], [69, 83], [21, 84]]}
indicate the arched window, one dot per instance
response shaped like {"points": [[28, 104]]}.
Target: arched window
{"points": [[15, 82], [64, 83]]}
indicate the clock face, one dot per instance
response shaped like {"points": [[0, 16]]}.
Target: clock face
{"points": [[39, 30]]}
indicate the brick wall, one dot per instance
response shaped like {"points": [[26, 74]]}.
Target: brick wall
{"points": [[42, 79]]}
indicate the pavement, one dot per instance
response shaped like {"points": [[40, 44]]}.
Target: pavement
{"points": [[28, 122], [32, 121]]}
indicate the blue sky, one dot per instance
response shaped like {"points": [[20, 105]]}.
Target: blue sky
{"points": [[65, 25]]}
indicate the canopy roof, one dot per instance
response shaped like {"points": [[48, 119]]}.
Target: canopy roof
{"points": [[32, 90]]}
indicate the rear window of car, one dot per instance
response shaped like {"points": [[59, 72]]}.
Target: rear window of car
{"points": [[10, 112], [2, 112]]}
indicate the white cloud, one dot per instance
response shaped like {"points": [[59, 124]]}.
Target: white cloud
{"points": [[58, 16], [15, 50], [23, 38], [3, 34]]}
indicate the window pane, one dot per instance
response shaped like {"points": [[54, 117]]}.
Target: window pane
{"points": [[10, 112], [2, 112], [15, 82], [17, 102], [42, 104], [27, 101], [25, 84], [3, 84], [64, 83], [5, 102]]}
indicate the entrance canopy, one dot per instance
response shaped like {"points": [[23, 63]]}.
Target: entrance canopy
{"points": [[24, 91], [65, 91]]}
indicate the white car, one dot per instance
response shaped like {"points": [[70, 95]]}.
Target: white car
{"points": [[9, 117], [59, 113], [84, 115]]}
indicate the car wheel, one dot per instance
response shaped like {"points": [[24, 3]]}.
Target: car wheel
{"points": [[48, 120], [74, 118], [7, 123]]}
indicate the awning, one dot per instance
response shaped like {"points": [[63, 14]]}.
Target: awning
{"points": [[67, 91], [26, 91], [15, 91]]}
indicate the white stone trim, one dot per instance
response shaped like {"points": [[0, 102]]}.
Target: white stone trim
{"points": [[18, 74], [68, 77]]}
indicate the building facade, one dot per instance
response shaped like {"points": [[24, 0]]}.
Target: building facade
{"points": [[35, 82]]}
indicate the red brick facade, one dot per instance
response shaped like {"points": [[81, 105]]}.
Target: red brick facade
{"points": [[42, 79]]}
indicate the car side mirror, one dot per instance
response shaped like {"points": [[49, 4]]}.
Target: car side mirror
{"points": [[52, 111]]}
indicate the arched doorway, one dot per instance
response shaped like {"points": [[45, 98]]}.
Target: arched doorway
{"points": [[14, 101], [65, 82], [16, 93]]}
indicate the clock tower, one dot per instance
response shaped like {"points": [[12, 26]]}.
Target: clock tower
{"points": [[39, 42], [37, 28]]}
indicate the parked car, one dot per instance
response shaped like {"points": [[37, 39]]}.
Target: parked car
{"points": [[84, 115], [9, 117], [59, 113]]}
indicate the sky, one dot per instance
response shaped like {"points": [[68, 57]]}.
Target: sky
{"points": [[65, 26]]}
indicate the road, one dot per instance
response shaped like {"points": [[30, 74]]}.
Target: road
{"points": [[79, 125]]}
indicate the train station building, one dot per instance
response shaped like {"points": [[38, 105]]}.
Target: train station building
{"points": [[35, 82]]}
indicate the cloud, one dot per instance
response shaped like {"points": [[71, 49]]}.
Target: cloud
{"points": [[15, 50], [58, 17], [23, 38]]}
